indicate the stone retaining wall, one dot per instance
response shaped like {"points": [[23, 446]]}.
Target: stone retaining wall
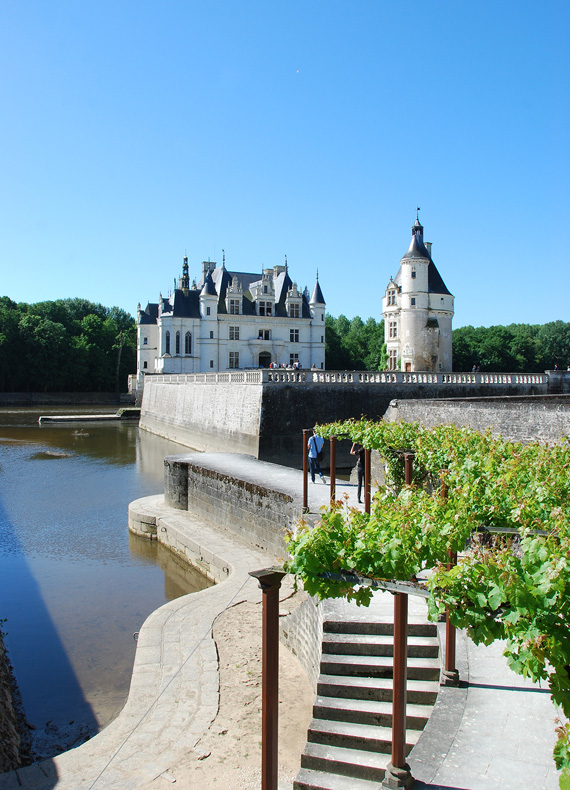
{"points": [[517, 419], [209, 417], [232, 491], [302, 633]]}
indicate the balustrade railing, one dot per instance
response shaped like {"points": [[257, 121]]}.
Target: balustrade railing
{"points": [[290, 376]]}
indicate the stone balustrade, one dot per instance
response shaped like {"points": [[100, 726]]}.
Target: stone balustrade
{"points": [[289, 376]]}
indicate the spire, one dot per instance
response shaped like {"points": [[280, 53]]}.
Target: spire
{"points": [[185, 279], [208, 289], [317, 297], [417, 247]]}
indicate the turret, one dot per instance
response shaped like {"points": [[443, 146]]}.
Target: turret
{"points": [[208, 298]]}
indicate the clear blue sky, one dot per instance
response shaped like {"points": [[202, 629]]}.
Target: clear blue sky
{"points": [[133, 131]]}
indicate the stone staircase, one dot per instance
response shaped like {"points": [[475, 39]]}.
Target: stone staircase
{"points": [[349, 739]]}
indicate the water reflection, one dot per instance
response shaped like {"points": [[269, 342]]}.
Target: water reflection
{"points": [[74, 584]]}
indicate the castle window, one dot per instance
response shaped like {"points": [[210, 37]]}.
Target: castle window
{"points": [[323, 317], [293, 335], [392, 297], [294, 310], [211, 334], [413, 274], [322, 338], [264, 334], [188, 343], [413, 301], [211, 363], [208, 311], [265, 289], [265, 308], [234, 359], [167, 343], [234, 306], [145, 365], [393, 327], [234, 332], [292, 359], [177, 343], [392, 359], [145, 339]]}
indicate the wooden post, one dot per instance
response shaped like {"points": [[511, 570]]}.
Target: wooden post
{"points": [[408, 468], [306, 435], [398, 771], [367, 475], [450, 674], [270, 582], [333, 468]]}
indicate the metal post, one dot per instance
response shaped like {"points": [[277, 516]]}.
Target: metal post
{"points": [[398, 771], [270, 582], [408, 468], [367, 474], [333, 468], [450, 674], [306, 434]]}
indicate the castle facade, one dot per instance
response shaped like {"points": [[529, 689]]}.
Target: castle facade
{"points": [[231, 321]]}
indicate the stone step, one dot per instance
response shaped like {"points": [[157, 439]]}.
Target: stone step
{"points": [[378, 645], [423, 692], [361, 737], [321, 780], [367, 711], [346, 762], [350, 626], [378, 666]]}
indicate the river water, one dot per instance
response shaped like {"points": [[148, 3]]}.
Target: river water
{"points": [[74, 584]]}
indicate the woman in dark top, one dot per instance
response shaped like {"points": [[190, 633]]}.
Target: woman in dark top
{"points": [[358, 450]]}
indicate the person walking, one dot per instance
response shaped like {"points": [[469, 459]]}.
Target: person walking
{"points": [[358, 449], [315, 446]]}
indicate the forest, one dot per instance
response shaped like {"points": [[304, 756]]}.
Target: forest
{"points": [[66, 345], [73, 345], [516, 348]]}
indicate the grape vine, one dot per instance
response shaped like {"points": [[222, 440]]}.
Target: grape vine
{"points": [[514, 587]]}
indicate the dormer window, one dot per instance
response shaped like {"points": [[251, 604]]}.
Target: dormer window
{"points": [[391, 296], [265, 308], [233, 306], [294, 310]]}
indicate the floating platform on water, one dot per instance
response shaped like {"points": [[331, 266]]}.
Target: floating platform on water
{"points": [[121, 415]]}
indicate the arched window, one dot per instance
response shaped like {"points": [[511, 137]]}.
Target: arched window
{"points": [[177, 343], [167, 343], [188, 343]]}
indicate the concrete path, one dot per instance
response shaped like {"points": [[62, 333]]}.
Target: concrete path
{"points": [[494, 732]]}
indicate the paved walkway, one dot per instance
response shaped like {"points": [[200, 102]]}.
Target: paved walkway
{"points": [[494, 732]]}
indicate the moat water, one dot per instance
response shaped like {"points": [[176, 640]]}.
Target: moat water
{"points": [[75, 586]]}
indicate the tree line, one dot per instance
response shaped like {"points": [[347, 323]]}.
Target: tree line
{"points": [[516, 348], [66, 345]]}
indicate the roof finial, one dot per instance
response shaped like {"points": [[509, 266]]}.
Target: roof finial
{"points": [[285, 263], [317, 275], [418, 213], [224, 259]]}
